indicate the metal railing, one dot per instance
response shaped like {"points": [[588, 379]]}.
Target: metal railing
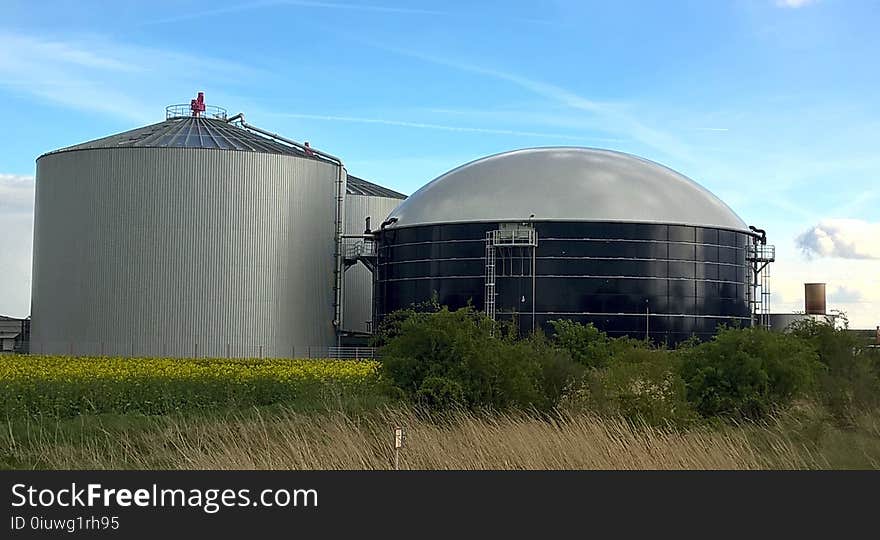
{"points": [[514, 237], [161, 349], [183, 109], [360, 248], [350, 353], [761, 252]]}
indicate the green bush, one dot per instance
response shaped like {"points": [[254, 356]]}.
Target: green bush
{"points": [[560, 375], [440, 393], [461, 358], [444, 359], [392, 324], [589, 346], [745, 373], [642, 385], [850, 377]]}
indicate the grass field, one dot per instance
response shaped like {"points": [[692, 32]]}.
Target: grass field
{"points": [[361, 438], [100, 413]]}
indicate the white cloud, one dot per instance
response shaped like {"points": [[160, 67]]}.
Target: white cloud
{"points": [[16, 194], [852, 285], [794, 4], [845, 295], [16, 239], [843, 238]]}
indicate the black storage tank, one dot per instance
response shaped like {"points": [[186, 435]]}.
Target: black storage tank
{"points": [[622, 242]]}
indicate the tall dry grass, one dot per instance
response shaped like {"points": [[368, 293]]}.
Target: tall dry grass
{"points": [[286, 439]]}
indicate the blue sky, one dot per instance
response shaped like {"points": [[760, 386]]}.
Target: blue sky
{"points": [[772, 105]]}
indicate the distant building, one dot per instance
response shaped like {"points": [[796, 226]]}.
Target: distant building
{"points": [[14, 334], [781, 322]]}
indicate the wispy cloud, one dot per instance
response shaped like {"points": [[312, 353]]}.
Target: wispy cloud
{"points": [[98, 75], [846, 295], [857, 203], [794, 4], [336, 6], [556, 116], [16, 237], [611, 119], [711, 129], [442, 127], [843, 238], [215, 12]]}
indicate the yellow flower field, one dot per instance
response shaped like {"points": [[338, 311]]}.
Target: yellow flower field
{"points": [[67, 386]]}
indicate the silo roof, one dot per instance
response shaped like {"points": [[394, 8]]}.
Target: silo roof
{"points": [[216, 134], [565, 184], [359, 186], [190, 132]]}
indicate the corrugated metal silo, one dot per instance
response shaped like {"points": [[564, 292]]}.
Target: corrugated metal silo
{"points": [[190, 237], [363, 199]]}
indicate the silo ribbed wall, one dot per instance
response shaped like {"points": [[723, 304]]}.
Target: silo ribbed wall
{"points": [[358, 302], [182, 252]]}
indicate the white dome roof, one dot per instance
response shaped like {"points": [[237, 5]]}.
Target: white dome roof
{"points": [[565, 184]]}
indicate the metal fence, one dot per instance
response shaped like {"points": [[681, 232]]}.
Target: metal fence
{"points": [[199, 350], [355, 353]]}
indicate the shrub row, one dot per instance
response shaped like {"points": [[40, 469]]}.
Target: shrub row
{"points": [[440, 358]]}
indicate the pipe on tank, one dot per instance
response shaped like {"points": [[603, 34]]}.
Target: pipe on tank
{"points": [[298, 145], [762, 232]]}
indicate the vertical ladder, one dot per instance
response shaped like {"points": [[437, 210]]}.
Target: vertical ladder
{"points": [[765, 297], [489, 295]]}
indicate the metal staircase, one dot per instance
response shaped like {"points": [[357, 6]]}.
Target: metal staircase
{"points": [[760, 255], [360, 251]]}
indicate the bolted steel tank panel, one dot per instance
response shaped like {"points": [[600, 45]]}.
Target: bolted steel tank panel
{"points": [[358, 300], [670, 282], [182, 252]]}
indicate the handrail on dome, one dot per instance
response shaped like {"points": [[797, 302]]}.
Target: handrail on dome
{"points": [[185, 110]]}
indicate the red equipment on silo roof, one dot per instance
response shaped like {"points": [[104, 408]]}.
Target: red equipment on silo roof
{"points": [[197, 106]]}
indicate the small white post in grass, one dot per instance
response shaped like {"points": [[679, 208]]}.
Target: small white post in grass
{"points": [[399, 438]]}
